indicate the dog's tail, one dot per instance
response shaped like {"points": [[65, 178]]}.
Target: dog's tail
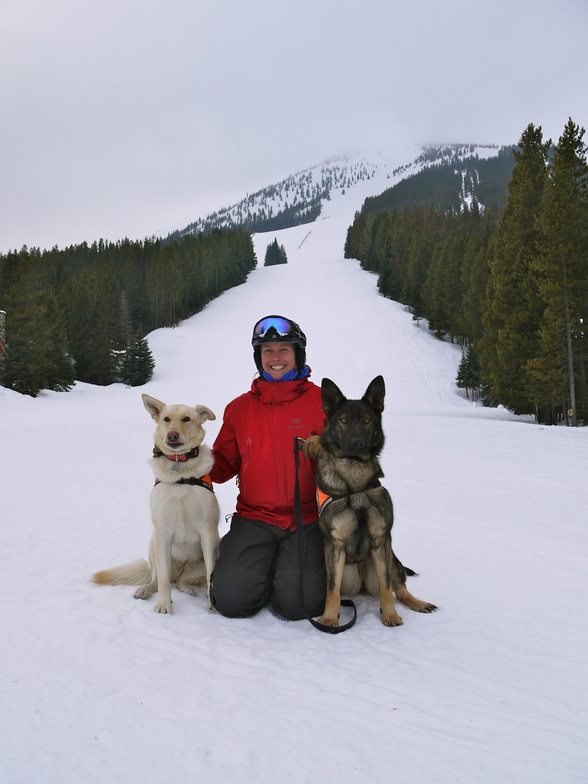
{"points": [[135, 573]]}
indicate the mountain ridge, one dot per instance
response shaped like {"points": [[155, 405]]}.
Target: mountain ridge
{"points": [[299, 198]]}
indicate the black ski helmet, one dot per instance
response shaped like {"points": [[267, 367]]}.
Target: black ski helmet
{"points": [[278, 329]]}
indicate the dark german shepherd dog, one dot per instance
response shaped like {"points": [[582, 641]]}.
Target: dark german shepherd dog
{"points": [[356, 518]]}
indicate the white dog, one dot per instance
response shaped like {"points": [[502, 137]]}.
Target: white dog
{"points": [[184, 510]]}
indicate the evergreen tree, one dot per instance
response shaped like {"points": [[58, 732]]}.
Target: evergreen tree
{"points": [[380, 250], [474, 284], [419, 260], [365, 240], [165, 286], [80, 296], [138, 363], [28, 334], [513, 309], [352, 240], [105, 339], [275, 254], [61, 371], [441, 291], [394, 236], [126, 322], [469, 374], [432, 293], [469, 308], [559, 368]]}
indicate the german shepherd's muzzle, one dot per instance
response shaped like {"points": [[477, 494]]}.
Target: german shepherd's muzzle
{"points": [[357, 518]]}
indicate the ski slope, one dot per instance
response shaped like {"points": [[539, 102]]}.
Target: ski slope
{"points": [[490, 510]]}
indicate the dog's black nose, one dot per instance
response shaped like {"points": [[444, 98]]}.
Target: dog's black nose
{"points": [[357, 443]]}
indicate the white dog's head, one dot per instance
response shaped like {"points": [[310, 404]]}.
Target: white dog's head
{"points": [[179, 428]]}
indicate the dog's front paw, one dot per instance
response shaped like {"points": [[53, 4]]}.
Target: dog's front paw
{"points": [[391, 619], [328, 621], [163, 607], [144, 592], [427, 607], [186, 588]]}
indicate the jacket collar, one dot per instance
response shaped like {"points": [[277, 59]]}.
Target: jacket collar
{"points": [[278, 391]]}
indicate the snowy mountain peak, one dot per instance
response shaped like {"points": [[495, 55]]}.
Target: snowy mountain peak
{"points": [[300, 198]]}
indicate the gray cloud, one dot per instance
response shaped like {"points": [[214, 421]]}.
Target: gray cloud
{"points": [[127, 117]]}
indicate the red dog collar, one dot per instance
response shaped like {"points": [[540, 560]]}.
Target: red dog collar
{"points": [[183, 456]]}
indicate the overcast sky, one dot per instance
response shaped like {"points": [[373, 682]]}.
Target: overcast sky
{"points": [[132, 117]]}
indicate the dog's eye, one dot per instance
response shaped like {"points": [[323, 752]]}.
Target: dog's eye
{"points": [[166, 419], [344, 420], [366, 420], [185, 419]]}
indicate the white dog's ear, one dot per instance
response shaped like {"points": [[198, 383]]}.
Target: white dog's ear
{"points": [[204, 413], [153, 405]]}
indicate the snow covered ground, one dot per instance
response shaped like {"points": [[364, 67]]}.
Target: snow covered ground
{"points": [[491, 510]]}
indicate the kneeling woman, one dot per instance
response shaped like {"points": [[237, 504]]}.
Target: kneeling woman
{"points": [[258, 560]]}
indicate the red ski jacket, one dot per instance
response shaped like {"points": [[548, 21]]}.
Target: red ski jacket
{"points": [[256, 442]]}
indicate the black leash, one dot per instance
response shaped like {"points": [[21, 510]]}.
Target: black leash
{"points": [[300, 539]]}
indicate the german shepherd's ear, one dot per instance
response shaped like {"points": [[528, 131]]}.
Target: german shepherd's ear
{"points": [[204, 413], [153, 405], [374, 394], [332, 396]]}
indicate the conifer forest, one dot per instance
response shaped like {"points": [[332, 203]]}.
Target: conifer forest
{"points": [[83, 312], [509, 281]]}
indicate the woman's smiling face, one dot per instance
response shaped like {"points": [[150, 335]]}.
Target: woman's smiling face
{"points": [[277, 359]]}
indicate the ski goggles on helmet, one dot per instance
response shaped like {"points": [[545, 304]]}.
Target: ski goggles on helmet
{"points": [[276, 328]]}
